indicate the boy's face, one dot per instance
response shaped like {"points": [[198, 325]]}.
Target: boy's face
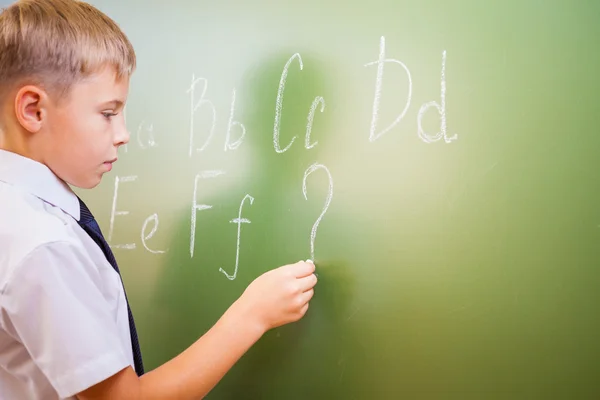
{"points": [[83, 132]]}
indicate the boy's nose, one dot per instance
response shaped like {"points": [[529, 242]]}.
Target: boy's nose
{"points": [[122, 134]]}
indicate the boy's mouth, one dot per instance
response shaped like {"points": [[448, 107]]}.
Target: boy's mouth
{"points": [[109, 164]]}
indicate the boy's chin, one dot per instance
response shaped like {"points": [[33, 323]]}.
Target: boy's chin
{"points": [[87, 182], [92, 184]]}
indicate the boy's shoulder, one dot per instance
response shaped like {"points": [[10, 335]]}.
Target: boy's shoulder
{"points": [[27, 223]]}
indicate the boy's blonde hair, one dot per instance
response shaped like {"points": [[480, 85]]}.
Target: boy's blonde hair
{"points": [[56, 43]]}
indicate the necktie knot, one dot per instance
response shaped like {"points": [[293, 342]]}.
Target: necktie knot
{"points": [[85, 215]]}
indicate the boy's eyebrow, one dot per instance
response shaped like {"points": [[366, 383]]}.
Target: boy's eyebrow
{"points": [[113, 104]]}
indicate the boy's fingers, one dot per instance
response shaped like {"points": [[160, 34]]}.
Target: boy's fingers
{"points": [[304, 309], [308, 282], [303, 268], [306, 296]]}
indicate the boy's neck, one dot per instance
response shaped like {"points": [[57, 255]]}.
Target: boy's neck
{"points": [[16, 142]]}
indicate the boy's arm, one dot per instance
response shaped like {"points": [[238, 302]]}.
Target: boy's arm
{"points": [[276, 298]]}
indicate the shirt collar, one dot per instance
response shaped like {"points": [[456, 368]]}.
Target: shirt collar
{"points": [[38, 180]]}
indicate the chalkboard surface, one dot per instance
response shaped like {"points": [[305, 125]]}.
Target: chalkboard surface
{"points": [[440, 160]]}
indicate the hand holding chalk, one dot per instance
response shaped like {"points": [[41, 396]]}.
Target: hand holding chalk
{"points": [[280, 296], [312, 262]]}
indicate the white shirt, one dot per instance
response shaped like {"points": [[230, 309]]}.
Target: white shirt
{"points": [[63, 314]]}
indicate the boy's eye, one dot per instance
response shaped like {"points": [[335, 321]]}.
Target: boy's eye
{"points": [[108, 114]]}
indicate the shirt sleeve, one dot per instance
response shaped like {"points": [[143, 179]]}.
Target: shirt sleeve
{"points": [[54, 307]]}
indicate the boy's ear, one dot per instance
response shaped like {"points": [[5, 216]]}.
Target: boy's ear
{"points": [[30, 107]]}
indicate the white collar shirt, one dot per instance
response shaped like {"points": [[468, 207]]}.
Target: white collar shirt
{"points": [[63, 313]]}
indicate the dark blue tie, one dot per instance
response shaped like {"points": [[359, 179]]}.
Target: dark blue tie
{"points": [[89, 224]]}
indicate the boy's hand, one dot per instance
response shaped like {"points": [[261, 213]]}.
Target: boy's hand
{"points": [[279, 296]]}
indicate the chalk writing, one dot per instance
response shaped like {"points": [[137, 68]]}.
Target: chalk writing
{"points": [[378, 87], [236, 133], [114, 212], [152, 218], [230, 124], [199, 207], [195, 106], [279, 104], [239, 221], [149, 129], [441, 110], [311, 116], [313, 233]]}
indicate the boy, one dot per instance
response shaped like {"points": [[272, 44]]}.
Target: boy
{"points": [[66, 330]]}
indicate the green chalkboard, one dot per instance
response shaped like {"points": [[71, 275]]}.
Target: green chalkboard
{"points": [[446, 155]]}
